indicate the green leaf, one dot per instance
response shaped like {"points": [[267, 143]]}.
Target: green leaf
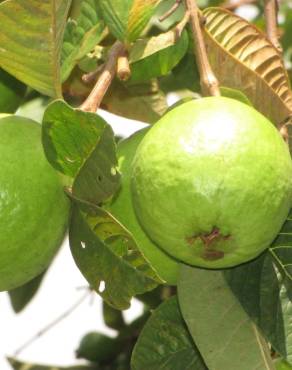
{"points": [[165, 342], [108, 257], [282, 365], [235, 94], [263, 287], [157, 56], [20, 365], [127, 19], [142, 102], [81, 36], [223, 332], [31, 40], [81, 145], [21, 296]]}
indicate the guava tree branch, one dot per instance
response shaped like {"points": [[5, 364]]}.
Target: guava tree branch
{"points": [[93, 101], [271, 16], [208, 80], [171, 10]]}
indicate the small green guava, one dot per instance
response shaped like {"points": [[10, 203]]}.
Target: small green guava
{"points": [[121, 207], [212, 182], [33, 207]]}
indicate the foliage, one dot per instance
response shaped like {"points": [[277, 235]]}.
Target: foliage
{"points": [[51, 54]]}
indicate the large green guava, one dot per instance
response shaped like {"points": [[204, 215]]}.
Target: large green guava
{"points": [[212, 182], [12, 92], [121, 207], [33, 206]]}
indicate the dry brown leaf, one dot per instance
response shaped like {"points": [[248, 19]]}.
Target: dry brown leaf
{"points": [[243, 58]]}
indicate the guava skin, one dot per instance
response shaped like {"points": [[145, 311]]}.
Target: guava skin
{"points": [[212, 182], [122, 208], [33, 207]]}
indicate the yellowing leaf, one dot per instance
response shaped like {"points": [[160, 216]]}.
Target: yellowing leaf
{"points": [[243, 58], [126, 19]]}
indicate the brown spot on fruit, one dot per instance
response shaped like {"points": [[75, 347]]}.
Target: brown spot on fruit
{"points": [[209, 241]]}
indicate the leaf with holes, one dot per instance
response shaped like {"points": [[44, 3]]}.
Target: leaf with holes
{"points": [[81, 145], [243, 58], [127, 19], [81, 36], [31, 40], [223, 332], [263, 287], [106, 254], [144, 102], [165, 342]]}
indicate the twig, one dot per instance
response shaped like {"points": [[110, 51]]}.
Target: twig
{"points": [[236, 4], [123, 66], [171, 10], [178, 29], [271, 16], [52, 324], [91, 76], [208, 80], [104, 81]]}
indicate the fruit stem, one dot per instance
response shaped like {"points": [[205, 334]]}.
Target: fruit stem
{"points": [[271, 15], [123, 66], [93, 101], [208, 80]]}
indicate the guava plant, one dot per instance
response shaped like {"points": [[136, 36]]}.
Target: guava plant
{"points": [[192, 214]]}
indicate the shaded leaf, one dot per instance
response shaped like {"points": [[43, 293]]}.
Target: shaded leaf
{"points": [[31, 40], [21, 296], [81, 145], [126, 19], [20, 365], [142, 102], [157, 56], [243, 58], [223, 332], [235, 94], [263, 287], [108, 257], [165, 342], [81, 36]]}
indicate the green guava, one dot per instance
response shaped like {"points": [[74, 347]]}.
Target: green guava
{"points": [[33, 206], [212, 182], [11, 92], [121, 207]]}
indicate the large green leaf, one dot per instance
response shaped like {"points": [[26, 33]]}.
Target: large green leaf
{"points": [[165, 343], [81, 36], [225, 335], [81, 145], [263, 287], [31, 40], [127, 18], [157, 56], [108, 257]]}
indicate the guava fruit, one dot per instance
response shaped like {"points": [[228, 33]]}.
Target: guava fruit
{"points": [[11, 92], [212, 182], [98, 347], [121, 207], [33, 206]]}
